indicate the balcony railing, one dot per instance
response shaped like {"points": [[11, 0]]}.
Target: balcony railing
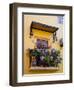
{"points": [[44, 59]]}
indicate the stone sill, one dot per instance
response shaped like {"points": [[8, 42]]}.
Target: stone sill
{"points": [[44, 68]]}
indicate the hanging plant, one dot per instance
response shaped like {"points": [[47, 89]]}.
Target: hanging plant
{"points": [[54, 37], [61, 42]]}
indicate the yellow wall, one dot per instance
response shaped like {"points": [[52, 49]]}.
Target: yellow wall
{"points": [[39, 34]]}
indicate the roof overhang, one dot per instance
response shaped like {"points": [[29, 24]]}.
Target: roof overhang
{"points": [[44, 27]]}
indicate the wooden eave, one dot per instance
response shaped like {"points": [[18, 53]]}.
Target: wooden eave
{"points": [[43, 27]]}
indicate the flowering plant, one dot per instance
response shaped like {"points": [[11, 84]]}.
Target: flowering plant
{"points": [[47, 58]]}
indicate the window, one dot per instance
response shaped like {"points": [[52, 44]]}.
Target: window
{"points": [[41, 43]]}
